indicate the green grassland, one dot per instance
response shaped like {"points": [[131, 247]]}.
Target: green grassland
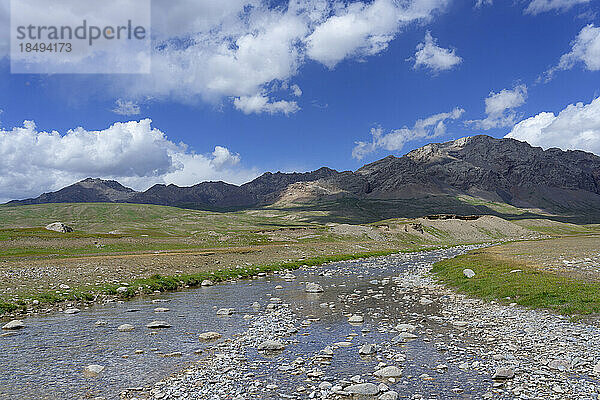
{"points": [[110, 232], [512, 281]]}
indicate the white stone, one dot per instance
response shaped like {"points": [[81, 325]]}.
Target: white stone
{"points": [[469, 273], [313, 288], [158, 325], [388, 372], [125, 328], [14, 325], [206, 336]]}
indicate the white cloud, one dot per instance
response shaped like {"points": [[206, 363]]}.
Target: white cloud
{"points": [[241, 51], [361, 29], [33, 161], [395, 140], [585, 49], [218, 51], [126, 107], [430, 55], [540, 6], [296, 91], [482, 3], [499, 108], [262, 104], [577, 127]]}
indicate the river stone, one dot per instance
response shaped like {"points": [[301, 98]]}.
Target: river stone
{"points": [[72, 310], [356, 319], [425, 301], [226, 311], [313, 288], [504, 373], [158, 325], [207, 282], [270, 345], [405, 328], [597, 369], [469, 273], [289, 277], [59, 227], [206, 336], [161, 309], [389, 372], [93, 370], [125, 328], [405, 336], [122, 289], [368, 389], [367, 349], [101, 322], [391, 395], [14, 325], [561, 365]]}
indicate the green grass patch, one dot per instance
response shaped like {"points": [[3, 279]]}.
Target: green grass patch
{"points": [[530, 287], [171, 283]]}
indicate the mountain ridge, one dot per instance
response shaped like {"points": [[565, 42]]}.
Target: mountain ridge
{"points": [[497, 170]]}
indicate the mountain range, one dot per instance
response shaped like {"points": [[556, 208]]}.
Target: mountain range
{"points": [[445, 176]]}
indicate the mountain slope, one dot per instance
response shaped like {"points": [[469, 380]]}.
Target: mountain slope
{"points": [[503, 171], [86, 191]]}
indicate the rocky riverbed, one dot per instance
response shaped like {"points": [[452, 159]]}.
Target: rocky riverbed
{"points": [[411, 338], [378, 328]]}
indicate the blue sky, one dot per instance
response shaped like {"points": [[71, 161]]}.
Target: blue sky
{"points": [[532, 60]]}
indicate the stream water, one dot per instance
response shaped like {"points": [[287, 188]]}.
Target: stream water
{"points": [[45, 360]]}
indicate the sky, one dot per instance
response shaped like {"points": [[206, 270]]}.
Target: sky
{"points": [[240, 87]]}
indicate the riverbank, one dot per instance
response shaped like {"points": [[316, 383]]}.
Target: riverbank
{"points": [[560, 274], [415, 339], [86, 296]]}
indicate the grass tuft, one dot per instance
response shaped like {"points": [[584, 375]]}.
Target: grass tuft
{"points": [[530, 287], [161, 283]]}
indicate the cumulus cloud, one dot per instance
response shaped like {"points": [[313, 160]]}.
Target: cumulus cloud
{"points": [[541, 6], [260, 103], [395, 140], [577, 127], [223, 51], [584, 49], [360, 29], [33, 161], [499, 108], [482, 3], [126, 107], [296, 91], [437, 59]]}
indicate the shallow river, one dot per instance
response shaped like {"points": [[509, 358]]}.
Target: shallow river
{"points": [[46, 359]]}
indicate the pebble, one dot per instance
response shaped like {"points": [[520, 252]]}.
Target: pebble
{"points": [[125, 328], [313, 288], [469, 273], [356, 319], [158, 325], [14, 325], [270, 345], [93, 370], [367, 389], [207, 336], [388, 372]]}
